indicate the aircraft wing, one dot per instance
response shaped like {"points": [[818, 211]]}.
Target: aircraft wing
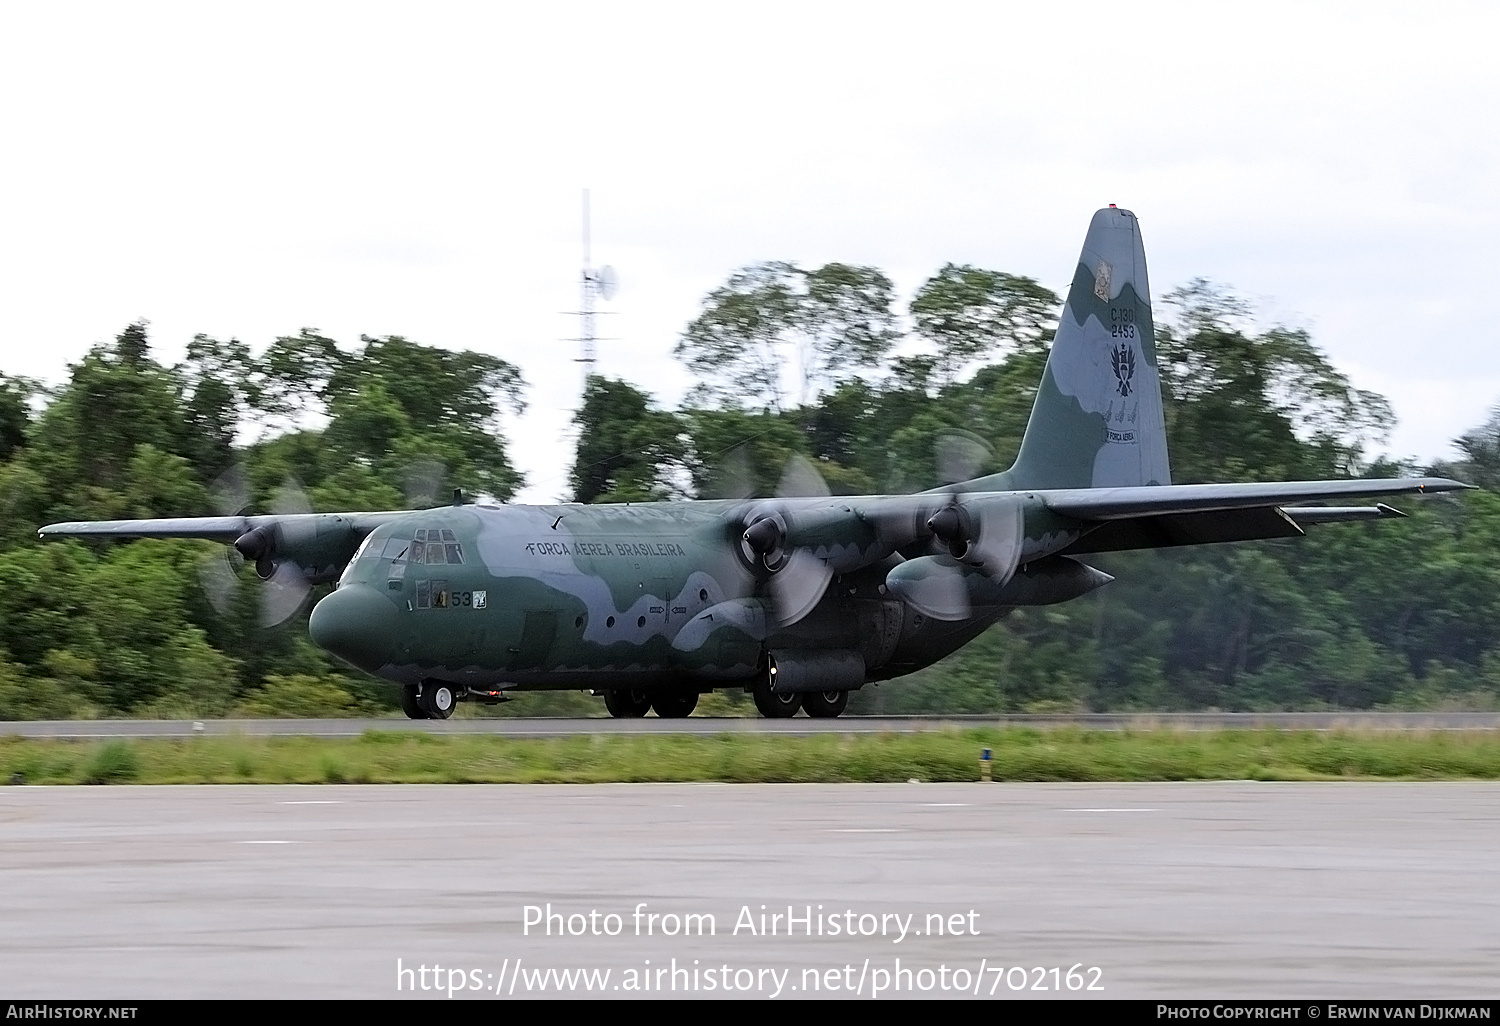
{"points": [[1155, 500], [1170, 515], [223, 529]]}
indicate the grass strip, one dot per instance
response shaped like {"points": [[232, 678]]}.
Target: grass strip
{"points": [[1020, 753]]}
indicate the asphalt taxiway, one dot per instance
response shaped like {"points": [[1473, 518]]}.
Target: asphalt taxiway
{"points": [[541, 726], [1172, 890]]}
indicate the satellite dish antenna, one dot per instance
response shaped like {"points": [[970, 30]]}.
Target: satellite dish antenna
{"points": [[608, 283]]}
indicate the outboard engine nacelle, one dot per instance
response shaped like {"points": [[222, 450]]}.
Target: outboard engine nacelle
{"points": [[318, 545]]}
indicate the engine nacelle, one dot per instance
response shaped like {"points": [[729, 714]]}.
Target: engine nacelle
{"points": [[318, 544], [947, 589], [1046, 582]]}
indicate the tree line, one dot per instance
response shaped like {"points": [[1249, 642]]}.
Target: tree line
{"points": [[817, 363], [1351, 616]]}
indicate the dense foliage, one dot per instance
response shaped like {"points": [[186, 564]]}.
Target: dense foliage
{"points": [[791, 362], [128, 628]]}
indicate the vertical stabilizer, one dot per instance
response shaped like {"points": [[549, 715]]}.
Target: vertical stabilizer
{"points": [[1097, 421]]}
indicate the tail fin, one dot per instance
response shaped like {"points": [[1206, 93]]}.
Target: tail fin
{"points": [[1097, 421]]}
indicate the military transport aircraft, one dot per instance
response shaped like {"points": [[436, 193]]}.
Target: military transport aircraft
{"points": [[799, 600]]}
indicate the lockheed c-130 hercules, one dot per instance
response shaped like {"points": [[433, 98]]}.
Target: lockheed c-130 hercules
{"points": [[799, 600]]}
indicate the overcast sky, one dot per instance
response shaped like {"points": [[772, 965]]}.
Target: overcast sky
{"points": [[411, 169]]}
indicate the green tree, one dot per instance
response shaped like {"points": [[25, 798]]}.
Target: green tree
{"points": [[968, 313], [774, 327], [401, 418], [220, 392], [293, 376], [628, 451], [736, 454], [116, 399], [1247, 406], [15, 413], [1481, 454]]}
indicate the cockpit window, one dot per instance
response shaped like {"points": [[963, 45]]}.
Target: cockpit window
{"points": [[436, 547]]}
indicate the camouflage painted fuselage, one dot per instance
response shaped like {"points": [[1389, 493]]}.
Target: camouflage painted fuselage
{"points": [[653, 594]]}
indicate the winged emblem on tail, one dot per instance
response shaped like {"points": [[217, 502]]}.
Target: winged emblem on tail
{"points": [[1122, 358]]}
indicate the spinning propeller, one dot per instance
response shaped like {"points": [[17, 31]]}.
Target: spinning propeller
{"points": [[798, 578], [424, 480], [981, 536], [286, 586]]}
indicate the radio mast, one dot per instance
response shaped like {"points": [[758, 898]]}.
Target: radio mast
{"points": [[595, 283]]}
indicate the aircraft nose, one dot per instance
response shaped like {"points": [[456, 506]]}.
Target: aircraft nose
{"points": [[356, 623]]}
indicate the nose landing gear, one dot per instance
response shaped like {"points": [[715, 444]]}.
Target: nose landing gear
{"points": [[429, 700]]}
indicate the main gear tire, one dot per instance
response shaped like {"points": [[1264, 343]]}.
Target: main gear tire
{"points": [[626, 703], [674, 705], [410, 704], [438, 699], [825, 704], [772, 705]]}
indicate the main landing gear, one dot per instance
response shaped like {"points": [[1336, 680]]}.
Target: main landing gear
{"points": [[627, 704], [779, 705], [775, 705], [824, 704], [429, 700], [633, 703], [672, 704]]}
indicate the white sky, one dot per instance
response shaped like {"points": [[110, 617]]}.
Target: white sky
{"points": [[416, 169]]}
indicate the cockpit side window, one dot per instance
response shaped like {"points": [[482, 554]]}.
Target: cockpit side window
{"points": [[359, 553], [364, 547]]}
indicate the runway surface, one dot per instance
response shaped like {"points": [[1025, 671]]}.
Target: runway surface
{"points": [[1172, 890], [549, 727]]}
